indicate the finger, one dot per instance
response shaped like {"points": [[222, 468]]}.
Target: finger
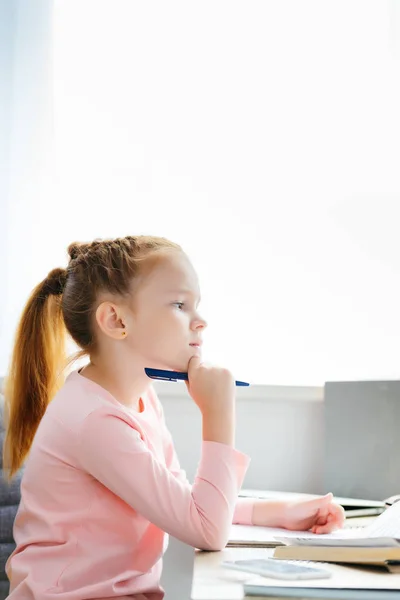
{"points": [[318, 528], [334, 521], [328, 528], [321, 520], [313, 508], [329, 517], [323, 512], [194, 362], [322, 515], [337, 515]]}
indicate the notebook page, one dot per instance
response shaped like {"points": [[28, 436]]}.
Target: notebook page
{"points": [[337, 542], [383, 532], [255, 534], [387, 524]]}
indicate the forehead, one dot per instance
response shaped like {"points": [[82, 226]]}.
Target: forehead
{"points": [[171, 273]]}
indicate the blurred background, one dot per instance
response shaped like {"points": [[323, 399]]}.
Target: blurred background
{"points": [[262, 136]]}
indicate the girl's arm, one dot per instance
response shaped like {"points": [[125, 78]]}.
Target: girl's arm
{"points": [[319, 514], [112, 451], [243, 511]]}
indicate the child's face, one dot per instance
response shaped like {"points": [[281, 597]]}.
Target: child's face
{"points": [[166, 328]]}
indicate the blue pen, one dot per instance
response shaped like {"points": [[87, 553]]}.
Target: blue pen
{"points": [[175, 375]]}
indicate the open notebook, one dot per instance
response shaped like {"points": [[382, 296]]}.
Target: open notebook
{"points": [[250, 536], [377, 544]]}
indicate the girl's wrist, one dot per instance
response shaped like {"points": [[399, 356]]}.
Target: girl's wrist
{"points": [[270, 513], [219, 428]]}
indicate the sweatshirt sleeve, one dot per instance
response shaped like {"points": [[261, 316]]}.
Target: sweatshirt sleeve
{"points": [[112, 450], [243, 512]]}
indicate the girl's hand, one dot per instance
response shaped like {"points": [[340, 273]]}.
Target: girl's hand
{"points": [[211, 388], [320, 515]]}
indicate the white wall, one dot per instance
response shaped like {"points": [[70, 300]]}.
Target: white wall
{"points": [[263, 136], [25, 154], [257, 116], [7, 25], [280, 428]]}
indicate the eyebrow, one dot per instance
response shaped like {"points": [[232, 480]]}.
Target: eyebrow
{"points": [[185, 292]]}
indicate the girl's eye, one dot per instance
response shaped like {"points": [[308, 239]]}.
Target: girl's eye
{"points": [[179, 305]]}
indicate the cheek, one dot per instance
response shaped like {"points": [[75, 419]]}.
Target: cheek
{"points": [[145, 329], [174, 327], [165, 327], [182, 320]]}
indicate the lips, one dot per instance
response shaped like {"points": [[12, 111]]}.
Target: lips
{"points": [[196, 345]]}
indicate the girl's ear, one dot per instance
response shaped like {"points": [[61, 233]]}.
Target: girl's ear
{"points": [[110, 319]]}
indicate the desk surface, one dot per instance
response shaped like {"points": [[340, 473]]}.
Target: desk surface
{"points": [[211, 581]]}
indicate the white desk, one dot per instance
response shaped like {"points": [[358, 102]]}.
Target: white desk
{"points": [[212, 582]]}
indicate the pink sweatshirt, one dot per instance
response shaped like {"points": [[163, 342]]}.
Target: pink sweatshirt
{"points": [[102, 487]]}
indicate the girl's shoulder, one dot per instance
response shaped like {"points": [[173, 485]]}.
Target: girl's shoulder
{"points": [[80, 398]]}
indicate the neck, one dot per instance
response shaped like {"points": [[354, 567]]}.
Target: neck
{"points": [[126, 382]]}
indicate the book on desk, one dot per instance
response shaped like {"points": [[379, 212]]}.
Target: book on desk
{"points": [[366, 562], [377, 544], [386, 554], [345, 584]]}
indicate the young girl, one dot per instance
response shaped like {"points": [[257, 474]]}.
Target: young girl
{"points": [[102, 484]]}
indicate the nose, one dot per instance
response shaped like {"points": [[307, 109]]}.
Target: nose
{"points": [[198, 324]]}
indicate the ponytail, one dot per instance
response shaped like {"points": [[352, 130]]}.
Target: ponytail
{"points": [[36, 368]]}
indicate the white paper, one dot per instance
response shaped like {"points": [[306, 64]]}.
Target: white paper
{"points": [[383, 532], [255, 534], [387, 524]]}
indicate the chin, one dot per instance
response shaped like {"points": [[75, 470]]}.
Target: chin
{"points": [[182, 366], [179, 363], [169, 366]]}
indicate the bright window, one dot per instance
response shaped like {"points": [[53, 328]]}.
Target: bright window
{"points": [[263, 137]]}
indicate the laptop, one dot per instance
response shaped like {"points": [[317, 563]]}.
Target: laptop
{"points": [[362, 442]]}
